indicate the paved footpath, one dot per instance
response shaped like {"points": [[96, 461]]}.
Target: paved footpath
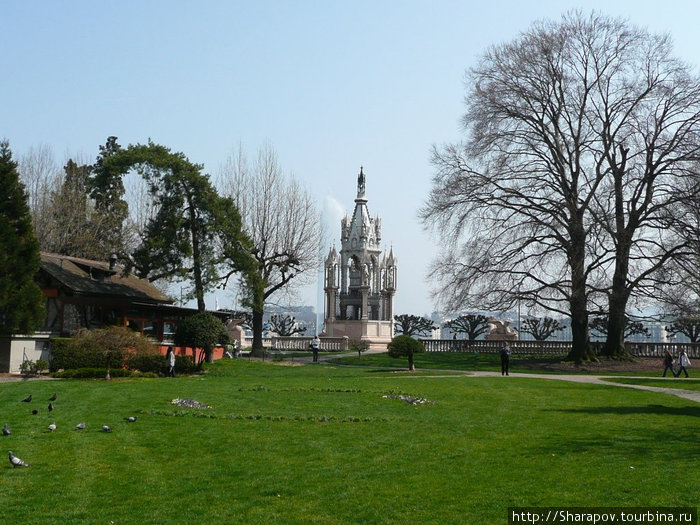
{"points": [[692, 395]]}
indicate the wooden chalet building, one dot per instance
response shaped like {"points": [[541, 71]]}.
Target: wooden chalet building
{"points": [[82, 293]]}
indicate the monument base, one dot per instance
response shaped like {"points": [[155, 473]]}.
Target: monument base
{"points": [[377, 333]]}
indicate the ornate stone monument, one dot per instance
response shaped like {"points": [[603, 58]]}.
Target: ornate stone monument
{"points": [[360, 282]]}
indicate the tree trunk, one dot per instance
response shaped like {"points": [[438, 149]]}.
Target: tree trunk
{"points": [[197, 259], [580, 347], [619, 294], [615, 339], [411, 366], [257, 349]]}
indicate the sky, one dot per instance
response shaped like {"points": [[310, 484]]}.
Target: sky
{"points": [[331, 85]]}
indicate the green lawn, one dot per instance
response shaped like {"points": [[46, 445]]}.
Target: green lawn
{"points": [[320, 444], [480, 361]]}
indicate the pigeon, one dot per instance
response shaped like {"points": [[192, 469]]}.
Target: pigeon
{"points": [[27, 399], [80, 426], [106, 428], [51, 427], [52, 398], [50, 407], [35, 411], [130, 419], [6, 430], [16, 462]]}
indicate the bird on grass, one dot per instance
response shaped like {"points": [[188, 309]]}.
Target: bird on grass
{"points": [[51, 427], [27, 399], [6, 430], [16, 462], [106, 428], [52, 398], [35, 411], [130, 419], [50, 407], [80, 426]]}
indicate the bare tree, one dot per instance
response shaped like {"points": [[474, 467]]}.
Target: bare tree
{"points": [[631, 327], [285, 325], [541, 328], [471, 324], [284, 223], [689, 326], [412, 325], [40, 174], [576, 131]]}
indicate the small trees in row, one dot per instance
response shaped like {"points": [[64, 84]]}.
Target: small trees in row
{"points": [[540, 328]]}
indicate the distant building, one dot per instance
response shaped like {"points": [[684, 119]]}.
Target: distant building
{"points": [[360, 282]]}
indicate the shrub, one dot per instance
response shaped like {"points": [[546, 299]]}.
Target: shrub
{"points": [[146, 362], [184, 364], [41, 365], [358, 346], [92, 373], [30, 367], [98, 348], [405, 346], [202, 330]]}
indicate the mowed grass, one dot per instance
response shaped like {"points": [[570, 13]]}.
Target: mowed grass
{"points": [[321, 444], [484, 362]]}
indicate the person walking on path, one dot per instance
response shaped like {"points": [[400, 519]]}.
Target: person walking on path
{"points": [[315, 343], [170, 361], [668, 363], [505, 358], [683, 363]]}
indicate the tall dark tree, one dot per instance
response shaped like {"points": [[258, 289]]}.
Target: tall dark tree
{"points": [[412, 325], [75, 226], [194, 232], [21, 300], [580, 134], [107, 191], [541, 328], [471, 324]]}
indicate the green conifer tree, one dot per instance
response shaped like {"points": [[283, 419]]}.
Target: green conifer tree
{"points": [[21, 309]]}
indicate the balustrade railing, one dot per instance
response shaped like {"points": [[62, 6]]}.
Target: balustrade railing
{"points": [[328, 344], [652, 349]]}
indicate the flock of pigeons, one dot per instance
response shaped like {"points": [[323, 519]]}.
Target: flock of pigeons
{"points": [[18, 462]]}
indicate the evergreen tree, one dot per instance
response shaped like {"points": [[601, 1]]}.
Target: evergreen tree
{"points": [[21, 309], [107, 190]]}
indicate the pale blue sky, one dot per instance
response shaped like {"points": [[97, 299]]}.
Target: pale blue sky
{"points": [[332, 85]]}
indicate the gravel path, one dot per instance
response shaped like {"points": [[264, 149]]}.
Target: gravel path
{"points": [[692, 395]]}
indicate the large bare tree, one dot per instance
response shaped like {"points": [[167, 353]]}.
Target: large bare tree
{"points": [[576, 132], [283, 221], [40, 174]]}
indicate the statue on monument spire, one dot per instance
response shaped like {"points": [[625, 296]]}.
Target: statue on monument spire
{"points": [[361, 184]]}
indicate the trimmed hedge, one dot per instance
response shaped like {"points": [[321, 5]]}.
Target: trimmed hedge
{"points": [[67, 355]]}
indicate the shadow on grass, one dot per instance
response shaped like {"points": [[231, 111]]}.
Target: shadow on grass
{"points": [[690, 410]]}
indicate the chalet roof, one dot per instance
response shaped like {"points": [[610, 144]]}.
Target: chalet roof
{"points": [[87, 277]]}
